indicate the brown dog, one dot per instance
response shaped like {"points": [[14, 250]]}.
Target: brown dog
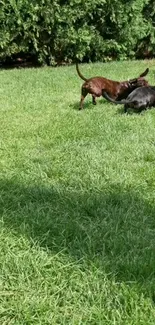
{"points": [[115, 89]]}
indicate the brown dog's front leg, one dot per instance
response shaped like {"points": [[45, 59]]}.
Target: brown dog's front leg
{"points": [[94, 100], [83, 95], [81, 102]]}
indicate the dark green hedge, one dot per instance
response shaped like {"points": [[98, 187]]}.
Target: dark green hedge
{"points": [[58, 31]]}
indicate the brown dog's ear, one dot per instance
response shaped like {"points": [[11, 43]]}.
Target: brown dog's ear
{"points": [[144, 73]]}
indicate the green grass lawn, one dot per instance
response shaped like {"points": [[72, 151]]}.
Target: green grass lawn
{"points": [[77, 201]]}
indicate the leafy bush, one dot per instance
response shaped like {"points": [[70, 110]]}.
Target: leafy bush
{"points": [[60, 30]]}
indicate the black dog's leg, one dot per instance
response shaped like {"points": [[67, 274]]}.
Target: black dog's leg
{"points": [[125, 108]]}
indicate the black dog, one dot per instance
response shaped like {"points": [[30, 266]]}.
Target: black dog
{"points": [[139, 99]]}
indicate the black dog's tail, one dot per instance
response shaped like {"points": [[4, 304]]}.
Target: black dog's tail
{"points": [[79, 73], [144, 73], [106, 96]]}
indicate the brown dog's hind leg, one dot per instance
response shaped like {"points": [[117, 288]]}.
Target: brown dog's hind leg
{"points": [[94, 99], [84, 93]]}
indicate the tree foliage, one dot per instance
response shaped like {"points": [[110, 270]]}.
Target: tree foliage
{"points": [[60, 30]]}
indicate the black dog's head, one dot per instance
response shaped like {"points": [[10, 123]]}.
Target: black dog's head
{"points": [[140, 81], [132, 84]]}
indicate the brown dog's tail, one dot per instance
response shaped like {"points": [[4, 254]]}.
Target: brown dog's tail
{"points": [[79, 73], [144, 73], [106, 96]]}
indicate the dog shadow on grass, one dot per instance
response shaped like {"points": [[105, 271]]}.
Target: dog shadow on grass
{"points": [[119, 110], [87, 105], [116, 229]]}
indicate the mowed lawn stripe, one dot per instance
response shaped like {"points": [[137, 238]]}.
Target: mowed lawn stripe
{"points": [[77, 225]]}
